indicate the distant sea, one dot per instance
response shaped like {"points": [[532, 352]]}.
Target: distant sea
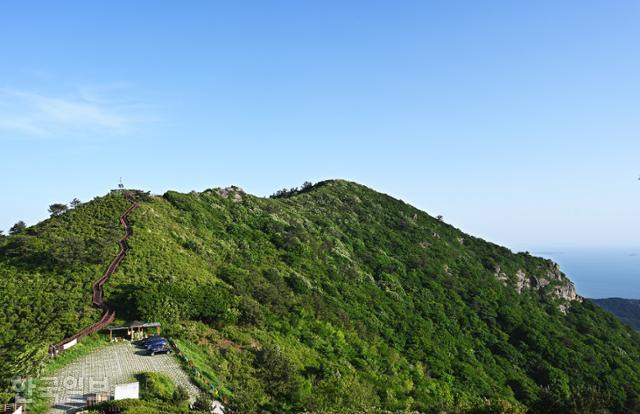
{"points": [[600, 273]]}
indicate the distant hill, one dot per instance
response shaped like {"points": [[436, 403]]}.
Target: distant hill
{"points": [[627, 310], [333, 298]]}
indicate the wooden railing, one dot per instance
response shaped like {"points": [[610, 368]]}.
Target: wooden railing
{"points": [[12, 408], [109, 314]]}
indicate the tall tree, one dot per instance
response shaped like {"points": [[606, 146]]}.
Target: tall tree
{"points": [[75, 203], [57, 208], [18, 228]]}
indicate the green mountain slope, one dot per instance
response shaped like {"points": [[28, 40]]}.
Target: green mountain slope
{"points": [[627, 310], [335, 298], [46, 273]]}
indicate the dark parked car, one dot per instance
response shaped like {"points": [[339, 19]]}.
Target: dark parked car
{"points": [[159, 349], [151, 338], [154, 342]]}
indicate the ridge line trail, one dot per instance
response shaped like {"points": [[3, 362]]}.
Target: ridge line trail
{"points": [[109, 314]]}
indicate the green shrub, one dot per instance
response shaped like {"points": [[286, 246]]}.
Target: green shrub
{"points": [[180, 395], [156, 386]]}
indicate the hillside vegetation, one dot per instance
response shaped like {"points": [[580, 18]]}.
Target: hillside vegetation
{"points": [[335, 298], [627, 310], [46, 273]]}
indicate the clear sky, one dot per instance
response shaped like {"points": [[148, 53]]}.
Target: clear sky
{"points": [[518, 121]]}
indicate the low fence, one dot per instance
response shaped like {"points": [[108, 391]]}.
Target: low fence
{"points": [[13, 408], [201, 380]]}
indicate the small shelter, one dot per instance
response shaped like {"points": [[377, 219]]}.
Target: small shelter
{"points": [[135, 330]]}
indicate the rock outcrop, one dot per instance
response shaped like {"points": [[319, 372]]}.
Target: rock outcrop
{"points": [[562, 287], [233, 192]]}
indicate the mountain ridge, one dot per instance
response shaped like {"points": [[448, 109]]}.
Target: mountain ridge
{"points": [[627, 310], [335, 297]]}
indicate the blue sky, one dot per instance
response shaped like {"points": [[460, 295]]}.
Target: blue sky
{"points": [[518, 121]]}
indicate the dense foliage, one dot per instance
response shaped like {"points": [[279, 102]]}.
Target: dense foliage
{"points": [[627, 310], [46, 272], [334, 299]]}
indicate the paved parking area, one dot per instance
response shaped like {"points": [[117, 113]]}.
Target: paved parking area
{"points": [[102, 370]]}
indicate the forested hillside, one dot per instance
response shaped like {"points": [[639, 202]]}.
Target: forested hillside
{"points": [[334, 298], [627, 310], [46, 273]]}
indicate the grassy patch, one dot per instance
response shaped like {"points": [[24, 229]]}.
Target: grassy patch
{"points": [[201, 361], [155, 386], [141, 407], [84, 347]]}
